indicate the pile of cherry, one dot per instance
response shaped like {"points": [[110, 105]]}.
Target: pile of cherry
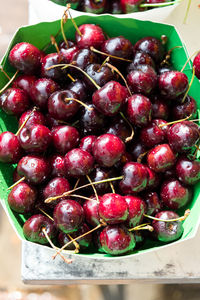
{"points": [[114, 6], [100, 164]]}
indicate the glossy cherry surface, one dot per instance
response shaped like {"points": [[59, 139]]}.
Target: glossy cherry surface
{"points": [[153, 203], [91, 35], [14, 101], [91, 211], [34, 117], [188, 171], [57, 164], [139, 110], [136, 209], [24, 82], [86, 143], [65, 138], [10, 149]]}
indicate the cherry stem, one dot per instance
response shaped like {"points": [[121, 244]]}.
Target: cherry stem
{"points": [[112, 187], [145, 226], [68, 261], [4, 72], [54, 43], [103, 63], [141, 156], [74, 23], [72, 78], [77, 183], [174, 122], [188, 60], [77, 246], [187, 11], [16, 183], [46, 214], [78, 237], [109, 55], [190, 84], [168, 55], [80, 102], [24, 123], [120, 74], [129, 138], [197, 147], [94, 189], [62, 22], [159, 4], [50, 199], [186, 214], [82, 197], [9, 82]]}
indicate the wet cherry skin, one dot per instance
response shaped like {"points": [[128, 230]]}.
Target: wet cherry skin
{"points": [[91, 211], [24, 82], [65, 138], [136, 208], [10, 149], [188, 171], [14, 101], [91, 35]]}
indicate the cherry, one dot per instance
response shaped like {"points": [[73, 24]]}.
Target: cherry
{"points": [[183, 110], [48, 61], [34, 168], [153, 203], [116, 240], [32, 229], [167, 231], [113, 208], [14, 101], [135, 178], [22, 198], [174, 195], [86, 143], [90, 35], [91, 211], [67, 53], [140, 58], [57, 165], [160, 109], [35, 117], [183, 136], [99, 174], [41, 90], [172, 84], [136, 208], [110, 98], [139, 110], [94, 6], [35, 139], [196, 65], [136, 149], [119, 128], [130, 6], [78, 87], [161, 158], [78, 162], [10, 149], [68, 216], [152, 135], [25, 57], [162, 124], [81, 59], [153, 179], [151, 46], [188, 171], [92, 121], [115, 7], [83, 242], [61, 109], [24, 82], [65, 138], [108, 149], [142, 79]]}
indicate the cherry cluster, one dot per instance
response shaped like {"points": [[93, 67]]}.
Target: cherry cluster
{"points": [[98, 153], [114, 6]]}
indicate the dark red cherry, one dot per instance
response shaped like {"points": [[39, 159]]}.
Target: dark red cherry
{"points": [[115, 7], [108, 149], [67, 53], [167, 231], [188, 171], [78, 162], [196, 65], [35, 139], [153, 179], [172, 84], [24, 82], [113, 208], [68, 216], [41, 90], [91, 35], [32, 229], [35, 169], [161, 158], [55, 187], [130, 6], [183, 136], [57, 165], [65, 138], [86, 143], [164, 127], [174, 194], [153, 203], [81, 59], [152, 135], [83, 242], [91, 211], [110, 98], [22, 198], [183, 110], [142, 80], [136, 149], [136, 208], [119, 128], [135, 178], [48, 61], [35, 117], [78, 87], [14, 101], [25, 57], [61, 109], [151, 46], [94, 6], [160, 109], [99, 174], [116, 240], [139, 110], [141, 58], [10, 149]]}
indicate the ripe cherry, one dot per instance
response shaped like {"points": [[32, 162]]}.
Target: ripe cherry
{"points": [[130, 6], [24, 82], [183, 110], [91, 211], [91, 35], [93, 6], [86, 143], [14, 101], [188, 171], [65, 138], [35, 117], [57, 165], [196, 65], [10, 149], [136, 208], [139, 110], [141, 58], [153, 203]]}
